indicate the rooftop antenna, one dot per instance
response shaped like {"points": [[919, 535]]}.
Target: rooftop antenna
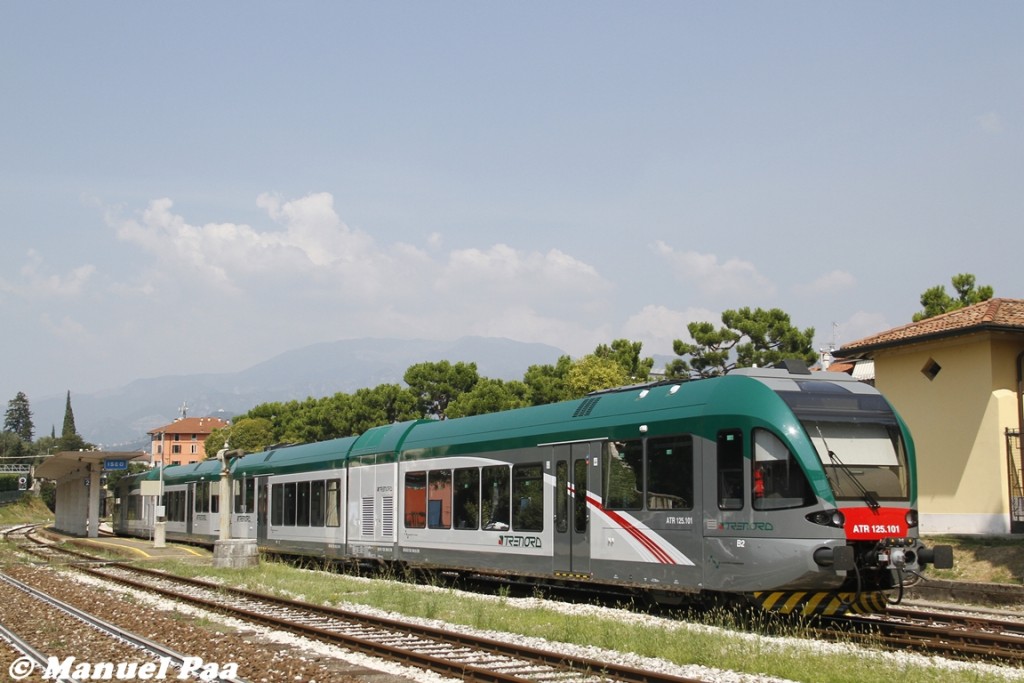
{"points": [[826, 354], [184, 409]]}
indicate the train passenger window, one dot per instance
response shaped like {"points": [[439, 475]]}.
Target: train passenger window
{"points": [[415, 500], [778, 481], [439, 499], [302, 504], [670, 473], [333, 502], [730, 470], [467, 498], [276, 505], [579, 506], [494, 501], [623, 484], [215, 502], [316, 503], [201, 503], [528, 494], [289, 504], [249, 495], [562, 496]]}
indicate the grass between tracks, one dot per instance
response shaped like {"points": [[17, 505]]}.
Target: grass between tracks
{"points": [[718, 642]]}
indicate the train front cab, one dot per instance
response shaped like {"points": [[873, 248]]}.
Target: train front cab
{"points": [[853, 458]]}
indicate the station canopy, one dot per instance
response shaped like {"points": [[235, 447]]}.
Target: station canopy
{"points": [[62, 464]]}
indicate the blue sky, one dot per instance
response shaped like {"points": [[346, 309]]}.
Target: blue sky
{"points": [[195, 187]]}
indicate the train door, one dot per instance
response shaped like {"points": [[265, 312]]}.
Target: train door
{"points": [[262, 501], [573, 463]]}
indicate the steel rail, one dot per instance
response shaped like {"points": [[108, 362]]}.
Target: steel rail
{"points": [[38, 659], [457, 667], [138, 641]]}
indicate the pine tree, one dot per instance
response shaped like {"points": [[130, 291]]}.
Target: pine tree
{"points": [[18, 419]]}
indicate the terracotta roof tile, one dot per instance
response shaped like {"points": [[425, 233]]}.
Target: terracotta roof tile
{"points": [[191, 425], [1005, 314]]}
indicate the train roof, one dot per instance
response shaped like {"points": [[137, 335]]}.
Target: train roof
{"points": [[617, 413], [623, 413], [320, 455], [204, 470]]}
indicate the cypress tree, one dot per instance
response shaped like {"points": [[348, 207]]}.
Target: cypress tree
{"points": [[69, 438], [69, 420]]}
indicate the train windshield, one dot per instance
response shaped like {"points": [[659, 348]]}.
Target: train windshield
{"points": [[858, 441]]}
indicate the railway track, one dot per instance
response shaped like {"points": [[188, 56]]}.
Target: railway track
{"points": [[442, 651], [961, 636], [957, 636], [122, 648]]}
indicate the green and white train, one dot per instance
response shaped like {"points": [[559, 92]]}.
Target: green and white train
{"points": [[793, 490]]}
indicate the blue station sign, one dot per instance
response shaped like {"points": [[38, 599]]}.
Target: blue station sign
{"points": [[111, 464]]}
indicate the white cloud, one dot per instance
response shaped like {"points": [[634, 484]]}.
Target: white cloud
{"points": [[313, 245], [502, 269], [67, 328], [990, 122], [658, 326], [829, 283], [734, 278], [312, 272], [36, 284]]}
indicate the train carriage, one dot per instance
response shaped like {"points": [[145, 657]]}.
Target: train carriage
{"points": [[793, 490], [291, 498]]}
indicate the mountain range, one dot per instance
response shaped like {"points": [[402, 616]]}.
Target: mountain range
{"points": [[118, 419]]}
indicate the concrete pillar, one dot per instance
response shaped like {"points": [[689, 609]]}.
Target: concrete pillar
{"points": [[94, 499], [236, 553]]}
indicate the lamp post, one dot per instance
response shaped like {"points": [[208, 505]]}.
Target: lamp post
{"points": [[225, 493]]}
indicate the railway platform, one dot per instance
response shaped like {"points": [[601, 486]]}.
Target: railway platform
{"points": [[132, 548]]}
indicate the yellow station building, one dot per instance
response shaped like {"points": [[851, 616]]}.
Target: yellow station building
{"points": [[956, 379]]}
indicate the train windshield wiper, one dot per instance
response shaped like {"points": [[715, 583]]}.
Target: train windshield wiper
{"points": [[868, 497]]}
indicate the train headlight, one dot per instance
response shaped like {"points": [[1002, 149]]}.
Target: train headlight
{"points": [[830, 518], [911, 519]]}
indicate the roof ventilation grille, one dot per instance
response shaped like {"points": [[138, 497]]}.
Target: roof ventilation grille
{"points": [[586, 407]]}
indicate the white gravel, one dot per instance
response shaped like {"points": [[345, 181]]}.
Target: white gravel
{"points": [[749, 642]]}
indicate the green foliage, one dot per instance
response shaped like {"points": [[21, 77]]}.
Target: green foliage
{"points": [[547, 383], [592, 373], [937, 301], [18, 418], [45, 445], [627, 354], [9, 482], [747, 338], [13, 449], [384, 404], [439, 390], [490, 396], [70, 439], [249, 434], [436, 384]]}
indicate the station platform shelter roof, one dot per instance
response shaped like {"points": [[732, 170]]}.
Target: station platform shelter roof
{"points": [[77, 474], [60, 465]]}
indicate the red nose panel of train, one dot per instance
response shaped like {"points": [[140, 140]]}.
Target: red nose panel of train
{"points": [[867, 524]]}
